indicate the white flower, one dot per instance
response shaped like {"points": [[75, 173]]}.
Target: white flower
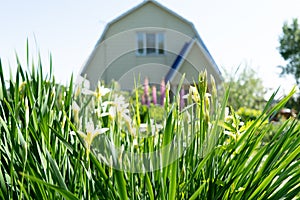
{"points": [[135, 142], [119, 110], [195, 94], [227, 112], [101, 110], [81, 82], [76, 110], [120, 107], [143, 127], [207, 95], [100, 91], [90, 134], [75, 107]]}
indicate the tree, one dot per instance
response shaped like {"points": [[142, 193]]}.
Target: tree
{"points": [[246, 89], [290, 49]]}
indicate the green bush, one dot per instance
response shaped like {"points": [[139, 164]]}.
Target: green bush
{"points": [[248, 114], [157, 113]]}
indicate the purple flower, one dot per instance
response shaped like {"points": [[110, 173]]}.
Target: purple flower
{"points": [[146, 91], [143, 100], [181, 98], [162, 91], [154, 96]]}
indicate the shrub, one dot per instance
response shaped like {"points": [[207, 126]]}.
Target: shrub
{"points": [[248, 114]]}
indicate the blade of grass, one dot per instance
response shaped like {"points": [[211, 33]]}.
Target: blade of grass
{"points": [[149, 187], [65, 193], [274, 172], [121, 184], [56, 171], [173, 181]]}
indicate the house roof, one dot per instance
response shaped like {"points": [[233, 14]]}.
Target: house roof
{"points": [[178, 61], [181, 57]]}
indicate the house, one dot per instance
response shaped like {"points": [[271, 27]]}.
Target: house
{"points": [[149, 41]]}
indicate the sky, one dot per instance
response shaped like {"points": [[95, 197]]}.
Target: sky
{"points": [[237, 33]]}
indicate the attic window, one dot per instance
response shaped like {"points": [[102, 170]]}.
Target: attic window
{"points": [[150, 43]]}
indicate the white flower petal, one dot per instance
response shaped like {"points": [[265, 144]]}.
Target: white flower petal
{"points": [[87, 91], [104, 114], [83, 81], [90, 127], [75, 106], [102, 130], [104, 91], [72, 133], [82, 134], [207, 95]]}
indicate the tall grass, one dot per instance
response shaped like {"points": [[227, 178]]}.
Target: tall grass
{"points": [[57, 142]]}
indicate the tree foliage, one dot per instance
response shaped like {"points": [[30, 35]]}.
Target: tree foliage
{"points": [[290, 49], [246, 89]]}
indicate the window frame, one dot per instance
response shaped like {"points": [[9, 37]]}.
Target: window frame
{"points": [[144, 43]]}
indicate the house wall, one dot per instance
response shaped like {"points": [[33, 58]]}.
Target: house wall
{"points": [[115, 57], [194, 63], [150, 15]]}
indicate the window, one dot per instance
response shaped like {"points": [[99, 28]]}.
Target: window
{"points": [[150, 43], [140, 41]]}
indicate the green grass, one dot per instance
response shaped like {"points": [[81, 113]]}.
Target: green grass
{"points": [[48, 152]]}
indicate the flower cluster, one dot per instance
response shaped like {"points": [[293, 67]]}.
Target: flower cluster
{"points": [[88, 129]]}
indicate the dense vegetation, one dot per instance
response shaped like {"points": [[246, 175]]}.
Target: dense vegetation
{"points": [[289, 49], [246, 88], [61, 142]]}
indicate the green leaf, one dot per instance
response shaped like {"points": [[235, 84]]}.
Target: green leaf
{"points": [[275, 172], [149, 187], [56, 171], [173, 181], [197, 192], [121, 184], [65, 193]]}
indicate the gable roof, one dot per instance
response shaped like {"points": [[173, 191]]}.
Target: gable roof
{"points": [[186, 49], [178, 61]]}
